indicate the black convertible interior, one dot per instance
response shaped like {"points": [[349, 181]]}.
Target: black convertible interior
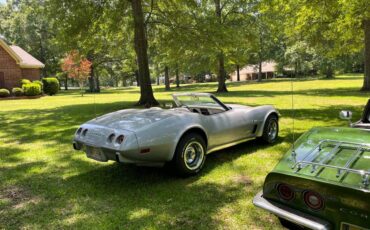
{"points": [[206, 111], [202, 110]]}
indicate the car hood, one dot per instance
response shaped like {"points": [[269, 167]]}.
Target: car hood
{"points": [[133, 119], [342, 156]]}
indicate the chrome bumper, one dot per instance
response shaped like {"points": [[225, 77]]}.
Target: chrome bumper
{"points": [[293, 216]]}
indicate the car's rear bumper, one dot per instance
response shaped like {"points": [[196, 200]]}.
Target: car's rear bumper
{"points": [[105, 154], [291, 215]]}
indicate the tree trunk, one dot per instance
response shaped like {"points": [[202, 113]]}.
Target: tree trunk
{"points": [[237, 72], [177, 78], [42, 57], [91, 84], [166, 78], [221, 62], [296, 69], [221, 74], [260, 71], [366, 85], [141, 48], [137, 77], [66, 82], [97, 83], [329, 70], [158, 80]]}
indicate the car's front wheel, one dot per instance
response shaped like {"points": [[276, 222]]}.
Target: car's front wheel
{"points": [[190, 155], [271, 129]]}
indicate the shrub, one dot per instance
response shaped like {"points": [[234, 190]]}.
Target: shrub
{"points": [[17, 92], [31, 89], [51, 85], [40, 83], [25, 81], [4, 93]]}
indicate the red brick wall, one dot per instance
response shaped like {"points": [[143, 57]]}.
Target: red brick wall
{"points": [[31, 74], [12, 72]]}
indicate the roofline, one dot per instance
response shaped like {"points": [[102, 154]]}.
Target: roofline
{"points": [[24, 66], [17, 59], [10, 52]]}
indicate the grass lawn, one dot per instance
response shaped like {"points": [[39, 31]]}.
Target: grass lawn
{"points": [[45, 184]]}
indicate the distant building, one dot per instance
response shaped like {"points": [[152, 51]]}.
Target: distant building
{"points": [[17, 64], [250, 72]]}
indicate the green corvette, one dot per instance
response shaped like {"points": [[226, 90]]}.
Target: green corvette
{"points": [[323, 182]]}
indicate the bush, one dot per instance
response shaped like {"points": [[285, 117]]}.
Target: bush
{"points": [[17, 92], [51, 85], [4, 93], [25, 81], [40, 83], [31, 89]]}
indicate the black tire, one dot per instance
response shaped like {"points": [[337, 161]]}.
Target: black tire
{"points": [[289, 225], [267, 136], [196, 151]]}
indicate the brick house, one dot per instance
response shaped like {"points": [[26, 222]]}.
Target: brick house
{"points": [[250, 72], [17, 64]]}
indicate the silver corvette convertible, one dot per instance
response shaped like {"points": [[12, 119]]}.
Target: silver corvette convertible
{"points": [[198, 124]]}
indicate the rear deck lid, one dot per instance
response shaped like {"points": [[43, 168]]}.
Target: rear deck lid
{"points": [[132, 119], [338, 155]]}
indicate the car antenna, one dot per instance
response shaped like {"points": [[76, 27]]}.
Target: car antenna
{"points": [[294, 154]]}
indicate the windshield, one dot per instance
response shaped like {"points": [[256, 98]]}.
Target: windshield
{"points": [[197, 100]]}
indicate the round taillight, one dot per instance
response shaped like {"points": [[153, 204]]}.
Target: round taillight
{"points": [[313, 200], [285, 192], [120, 139], [79, 131], [84, 132], [111, 138]]}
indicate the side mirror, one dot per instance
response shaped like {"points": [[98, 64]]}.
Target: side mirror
{"points": [[345, 115]]}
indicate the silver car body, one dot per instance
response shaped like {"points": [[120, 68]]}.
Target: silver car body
{"points": [[151, 135]]}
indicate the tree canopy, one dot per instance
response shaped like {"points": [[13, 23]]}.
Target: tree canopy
{"points": [[140, 40]]}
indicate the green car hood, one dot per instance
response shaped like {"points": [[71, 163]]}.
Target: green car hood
{"points": [[306, 149]]}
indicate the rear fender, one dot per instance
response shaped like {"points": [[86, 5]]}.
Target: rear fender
{"points": [[181, 134]]}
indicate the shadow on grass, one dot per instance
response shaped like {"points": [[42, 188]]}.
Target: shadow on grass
{"points": [[70, 191]]}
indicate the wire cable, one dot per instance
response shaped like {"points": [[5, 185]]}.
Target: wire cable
{"points": [[293, 114]]}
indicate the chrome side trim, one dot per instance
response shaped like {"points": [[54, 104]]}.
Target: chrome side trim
{"points": [[230, 144], [293, 216]]}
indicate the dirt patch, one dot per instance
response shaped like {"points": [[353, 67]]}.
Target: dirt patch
{"points": [[242, 179], [18, 197]]}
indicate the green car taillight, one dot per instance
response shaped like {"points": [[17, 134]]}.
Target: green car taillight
{"points": [[313, 200], [285, 192]]}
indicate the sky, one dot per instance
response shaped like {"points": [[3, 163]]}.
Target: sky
{"points": [[2, 1]]}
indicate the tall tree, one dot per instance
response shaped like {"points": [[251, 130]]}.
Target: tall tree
{"points": [[333, 27], [141, 48], [221, 58], [166, 78]]}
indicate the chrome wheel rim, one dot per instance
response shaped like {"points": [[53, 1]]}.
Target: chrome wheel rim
{"points": [[272, 130], [193, 155]]}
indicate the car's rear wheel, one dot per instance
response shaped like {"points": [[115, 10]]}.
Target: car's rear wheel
{"points": [[190, 155], [271, 129]]}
